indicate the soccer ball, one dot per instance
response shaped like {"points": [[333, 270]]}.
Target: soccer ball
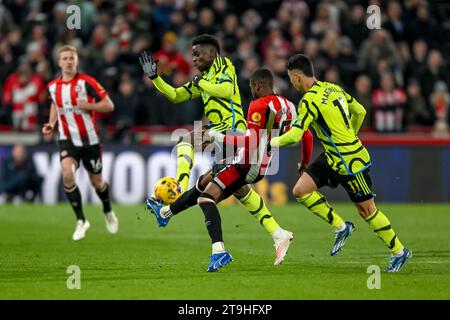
{"points": [[167, 190]]}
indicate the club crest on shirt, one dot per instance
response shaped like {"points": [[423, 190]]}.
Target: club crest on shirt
{"points": [[77, 88], [256, 116]]}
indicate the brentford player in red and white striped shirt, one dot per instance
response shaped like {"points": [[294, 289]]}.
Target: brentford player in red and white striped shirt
{"points": [[76, 97]]}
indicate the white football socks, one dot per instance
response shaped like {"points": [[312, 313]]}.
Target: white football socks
{"points": [[218, 247]]}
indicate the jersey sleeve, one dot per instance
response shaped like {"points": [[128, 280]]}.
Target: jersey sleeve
{"points": [[356, 110], [307, 113], [94, 88], [224, 86], [176, 95]]}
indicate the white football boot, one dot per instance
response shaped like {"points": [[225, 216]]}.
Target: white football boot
{"points": [[282, 242], [80, 230], [112, 224]]}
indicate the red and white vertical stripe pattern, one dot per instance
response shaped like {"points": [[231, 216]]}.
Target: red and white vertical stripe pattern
{"points": [[74, 124], [285, 114]]}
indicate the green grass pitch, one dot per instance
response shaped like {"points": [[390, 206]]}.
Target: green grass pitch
{"points": [[146, 262]]}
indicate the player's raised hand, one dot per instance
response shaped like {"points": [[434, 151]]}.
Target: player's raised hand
{"points": [[148, 64], [47, 128]]}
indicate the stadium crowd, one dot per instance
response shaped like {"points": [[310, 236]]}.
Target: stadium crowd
{"points": [[398, 73]]}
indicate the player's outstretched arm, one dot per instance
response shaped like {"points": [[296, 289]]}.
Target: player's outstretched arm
{"points": [[175, 95], [221, 90], [305, 117]]}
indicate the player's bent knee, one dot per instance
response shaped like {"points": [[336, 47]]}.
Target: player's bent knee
{"points": [[205, 198], [299, 192], [97, 183], [242, 192], [366, 209], [68, 179]]}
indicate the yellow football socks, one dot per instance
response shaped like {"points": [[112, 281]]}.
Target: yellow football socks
{"points": [[382, 227], [185, 160], [316, 202], [255, 205]]}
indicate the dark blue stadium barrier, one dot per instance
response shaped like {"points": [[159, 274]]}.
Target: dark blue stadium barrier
{"points": [[399, 174]]}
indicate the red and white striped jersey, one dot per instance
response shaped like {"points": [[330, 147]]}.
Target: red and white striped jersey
{"points": [[272, 112], [75, 124]]}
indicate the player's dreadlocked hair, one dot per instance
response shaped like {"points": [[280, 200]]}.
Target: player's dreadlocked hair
{"points": [[301, 63], [206, 39], [262, 75]]}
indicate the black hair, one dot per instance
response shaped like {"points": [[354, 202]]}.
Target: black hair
{"points": [[301, 63], [262, 75], [206, 39]]}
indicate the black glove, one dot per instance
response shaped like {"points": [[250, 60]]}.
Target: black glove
{"points": [[196, 80], [148, 64]]}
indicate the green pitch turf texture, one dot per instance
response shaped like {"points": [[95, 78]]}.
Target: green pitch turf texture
{"points": [[144, 261]]}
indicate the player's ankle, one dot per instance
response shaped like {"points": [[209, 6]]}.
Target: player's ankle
{"points": [[218, 247], [166, 212], [277, 233], [341, 227]]}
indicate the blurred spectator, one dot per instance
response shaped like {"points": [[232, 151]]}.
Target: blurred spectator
{"points": [[378, 45], [388, 105], [346, 62], [417, 111], [276, 40], [18, 176], [251, 20], [363, 95], [418, 63], [99, 38], [338, 11], [126, 103], [169, 59], [356, 28], [434, 72], [298, 8], [206, 22], [122, 32], [425, 27], [229, 39], [332, 75], [22, 93], [108, 69], [322, 23], [440, 100], [394, 24]]}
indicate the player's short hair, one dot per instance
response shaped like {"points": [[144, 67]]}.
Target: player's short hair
{"points": [[301, 63], [206, 39], [65, 48], [262, 75]]}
